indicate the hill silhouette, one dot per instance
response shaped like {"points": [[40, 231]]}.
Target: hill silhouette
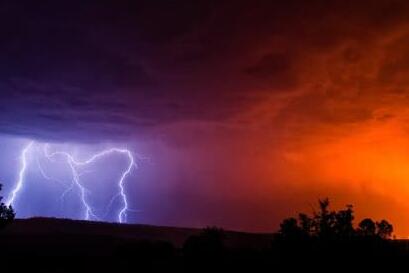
{"points": [[48, 243], [44, 229]]}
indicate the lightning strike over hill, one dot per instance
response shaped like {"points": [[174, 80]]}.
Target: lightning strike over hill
{"points": [[74, 164]]}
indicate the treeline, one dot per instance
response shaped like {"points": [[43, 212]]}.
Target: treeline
{"points": [[325, 241], [330, 238], [332, 225]]}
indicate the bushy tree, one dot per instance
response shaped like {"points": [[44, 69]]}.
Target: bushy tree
{"points": [[367, 228], [343, 225], [384, 229], [6, 213], [290, 229]]}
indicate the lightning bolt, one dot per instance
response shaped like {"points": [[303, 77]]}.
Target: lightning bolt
{"points": [[47, 177], [21, 175], [75, 179], [74, 164]]}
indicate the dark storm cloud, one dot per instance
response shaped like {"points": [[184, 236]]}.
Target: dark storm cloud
{"points": [[276, 70], [92, 69]]}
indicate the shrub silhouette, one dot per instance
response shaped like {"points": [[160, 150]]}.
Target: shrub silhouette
{"points": [[6, 213]]}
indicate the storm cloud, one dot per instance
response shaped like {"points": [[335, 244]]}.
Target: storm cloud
{"points": [[95, 69]]}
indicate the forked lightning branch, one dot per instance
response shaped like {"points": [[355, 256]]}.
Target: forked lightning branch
{"points": [[74, 164]]}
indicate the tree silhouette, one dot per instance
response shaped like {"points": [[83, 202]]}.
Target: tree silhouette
{"points": [[367, 228], [384, 229], [306, 223], [324, 220], [343, 226], [6, 213], [290, 230]]}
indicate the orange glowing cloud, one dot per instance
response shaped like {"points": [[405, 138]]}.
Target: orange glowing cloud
{"points": [[342, 128]]}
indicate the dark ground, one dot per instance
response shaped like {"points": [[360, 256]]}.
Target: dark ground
{"points": [[61, 228], [62, 245], [59, 245]]}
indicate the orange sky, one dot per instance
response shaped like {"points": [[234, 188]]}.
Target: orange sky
{"points": [[329, 118], [343, 130]]}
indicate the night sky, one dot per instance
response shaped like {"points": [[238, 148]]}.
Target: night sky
{"points": [[239, 113]]}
